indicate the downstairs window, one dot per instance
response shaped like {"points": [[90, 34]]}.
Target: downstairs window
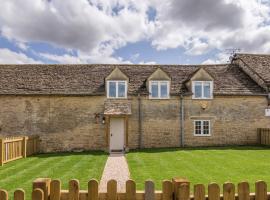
{"points": [[202, 128]]}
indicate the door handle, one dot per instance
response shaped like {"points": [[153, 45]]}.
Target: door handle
{"points": [[111, 134]]}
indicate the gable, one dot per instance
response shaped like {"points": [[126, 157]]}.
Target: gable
{"points": [[199, 75], [257, 66], [159, 74], [117, 74]]}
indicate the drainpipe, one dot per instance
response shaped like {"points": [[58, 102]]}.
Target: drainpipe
{"points": [[140, 122], [268, 90], [182, 118]]}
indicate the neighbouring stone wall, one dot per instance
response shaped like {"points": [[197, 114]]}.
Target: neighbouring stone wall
{"points": [[66, 123], [63, 123], [234, 120]]}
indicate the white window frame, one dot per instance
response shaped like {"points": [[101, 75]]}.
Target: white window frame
{"points": [[159, 90], [117, 94], [202, 82], [201, 135]]}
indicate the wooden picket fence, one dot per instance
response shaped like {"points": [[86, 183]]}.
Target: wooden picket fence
{"points": [[264, 136], [45, 189], [13, 148]]}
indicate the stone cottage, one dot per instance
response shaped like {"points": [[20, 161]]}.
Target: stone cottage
{"points": [[121, 107]]}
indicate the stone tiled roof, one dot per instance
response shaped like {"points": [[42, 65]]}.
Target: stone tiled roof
{"points": [[112, 107], [88, 79], [259, 65]]}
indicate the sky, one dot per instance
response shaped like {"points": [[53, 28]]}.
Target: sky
{"points": [[132, 31]]}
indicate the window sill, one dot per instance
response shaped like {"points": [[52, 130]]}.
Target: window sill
{"points": [[209, 135], [157, 98], [116, 97], [202, 98]]}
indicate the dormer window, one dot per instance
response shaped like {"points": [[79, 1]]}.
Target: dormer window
{"points": [[202, 89], [116, 89], [159, 89]]}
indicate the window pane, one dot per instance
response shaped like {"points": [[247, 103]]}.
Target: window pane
{"points": [[197, 127], [121, 89], [163, 90], [206, 90], [206, 127], [198, 90], [112, 89], [154, 89]]}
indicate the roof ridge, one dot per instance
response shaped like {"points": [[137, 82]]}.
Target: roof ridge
{"points": [[253, 54], [143, 65]]}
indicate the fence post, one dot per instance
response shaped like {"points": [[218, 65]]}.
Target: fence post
{"points": [[24, 147], [130, 190], [177, 182], [19, 194], [93, 190], [260, 190], [74, 189], [167, 190], [2, 151], [149, 190], [44, 185], [112, 190], [184, 192], [55, 190], [38, 194], [199, 192], [3, 195]]}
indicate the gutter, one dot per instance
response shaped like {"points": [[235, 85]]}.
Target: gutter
{"points": [[182, 133], [140, 122]]}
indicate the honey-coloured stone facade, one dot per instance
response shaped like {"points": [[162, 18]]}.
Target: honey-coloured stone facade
{"points": [[66, 123]]}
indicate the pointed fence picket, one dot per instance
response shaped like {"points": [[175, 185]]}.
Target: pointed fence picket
{"points": [[47, 189]]}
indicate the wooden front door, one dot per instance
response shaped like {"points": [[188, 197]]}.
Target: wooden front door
{"points": [[117, 134]]}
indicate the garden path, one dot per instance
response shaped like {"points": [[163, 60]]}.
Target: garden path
{"points": [[116, 168]]}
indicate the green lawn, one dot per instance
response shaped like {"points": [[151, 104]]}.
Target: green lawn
{"points": [[201, 165], [63, 166]]}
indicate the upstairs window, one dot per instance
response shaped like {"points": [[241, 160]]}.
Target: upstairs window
{"points": [[202, 128], [202, 89], [159, 89], [117, 89]]}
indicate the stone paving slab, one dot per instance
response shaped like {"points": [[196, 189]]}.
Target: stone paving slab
{"points": [[116, 168]]}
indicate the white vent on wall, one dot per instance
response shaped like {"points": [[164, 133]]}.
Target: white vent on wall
{"points": [[267, 112]]}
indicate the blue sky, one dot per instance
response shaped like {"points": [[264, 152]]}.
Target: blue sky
{"points": [[128, 31]]}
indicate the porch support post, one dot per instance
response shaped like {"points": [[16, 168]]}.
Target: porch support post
{"points": [[126, 133], [107, 132]]}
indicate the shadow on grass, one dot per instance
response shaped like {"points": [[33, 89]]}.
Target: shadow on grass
{"points": [[162, 150], [61, 154]]}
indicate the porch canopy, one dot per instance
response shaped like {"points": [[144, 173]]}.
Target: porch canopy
{"points": [[117, 107]]}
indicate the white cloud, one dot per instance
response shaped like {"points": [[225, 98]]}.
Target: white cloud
{"points": [[219, 24], [83, 58], [220, 58], [66, 58], [10, 57], [96, 28], [22, 46], [80, 24]]}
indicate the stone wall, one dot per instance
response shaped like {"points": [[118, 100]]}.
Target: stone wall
{"points": [[234, 120], [68, 122], [63, 123]]}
